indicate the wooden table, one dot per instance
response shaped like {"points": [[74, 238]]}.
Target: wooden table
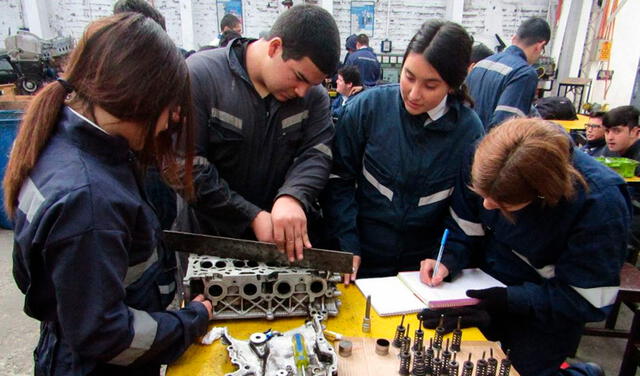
{"points": [[200, 360]]}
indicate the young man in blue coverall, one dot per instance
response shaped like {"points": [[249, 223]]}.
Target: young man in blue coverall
{"points": [[366, 60]]}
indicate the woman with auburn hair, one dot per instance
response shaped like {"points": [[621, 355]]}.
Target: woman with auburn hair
{"points": [[88, 251], [546, 220]]}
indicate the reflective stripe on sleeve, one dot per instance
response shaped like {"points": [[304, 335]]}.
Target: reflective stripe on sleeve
{"points": [[469, 228], [510, 109], [547, 271], [438, 196], [599, 297], [144, 333], [136, 271], [30, 199], [294, 119], [324, 149], [386, 192], [226, 117], [167, 289], [494, 66]]}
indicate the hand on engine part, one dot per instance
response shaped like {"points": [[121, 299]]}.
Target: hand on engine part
{"points": [[206, 303], [290, 227], [426, 272], [263, 227], [351, 277]]}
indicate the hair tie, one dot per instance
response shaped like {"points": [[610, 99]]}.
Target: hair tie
{"points": [[68, 88]]}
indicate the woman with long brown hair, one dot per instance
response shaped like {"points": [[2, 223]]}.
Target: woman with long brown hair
{"points": [[549, 222], [88, 252]]}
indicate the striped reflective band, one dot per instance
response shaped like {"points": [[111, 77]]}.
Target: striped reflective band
{"points": [[226, 117], [438, 196], [547, 271], [367, 58], [324, 149], [144, 333], [167, 289], [494, 66], [30, 199], [469, 228], [386, 192], [510, 109], [136, 271], [294, 119]]}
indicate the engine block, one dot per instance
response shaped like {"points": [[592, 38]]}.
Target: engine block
{"points": [[241, 289]]}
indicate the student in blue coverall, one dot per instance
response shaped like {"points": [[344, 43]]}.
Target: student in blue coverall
{"points": [[88, 251], [397, 151], [366, 60], [552, 232], [503, 85]]}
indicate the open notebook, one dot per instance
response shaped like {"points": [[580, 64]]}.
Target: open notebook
{"points": [[405, 293]]}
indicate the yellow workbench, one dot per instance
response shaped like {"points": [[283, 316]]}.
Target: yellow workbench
{"points": [[201, 360], [570, 125]]}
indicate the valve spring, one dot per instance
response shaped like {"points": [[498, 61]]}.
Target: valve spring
{"points": [[428, 359], [406, 344], [418, 341], [481, 367], [398, 338], [492, 366], [453, 368], [467, 367], [456, 340], [505, 367], [446, 356], [437, 338], [437, 367], [419, 367], [405, 363]]}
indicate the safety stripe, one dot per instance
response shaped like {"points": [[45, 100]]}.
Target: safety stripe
{"points": [[200, 161], [547, 271], [513, 110], [599, 297], [469, 228], [495, 66], [30, 199], [136, 271], [324, 149], [167, 289], [438, 196], [334, 176], [386, 192], [227, 118], [144, 333], [367, 58], [294, 119]]}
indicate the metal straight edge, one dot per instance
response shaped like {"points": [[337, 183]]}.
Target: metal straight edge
{"points": [[313, 258]]}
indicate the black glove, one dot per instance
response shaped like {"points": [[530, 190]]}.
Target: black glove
{"points": [[493, 300], [469, 317]]}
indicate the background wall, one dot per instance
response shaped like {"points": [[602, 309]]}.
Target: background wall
{"points": [[483, 18]]}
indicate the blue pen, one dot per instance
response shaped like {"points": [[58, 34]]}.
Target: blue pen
{"points": [[442, 243]]}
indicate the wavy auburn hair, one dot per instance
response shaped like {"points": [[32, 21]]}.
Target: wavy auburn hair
{"points": [[522, 160], [127, 65]]}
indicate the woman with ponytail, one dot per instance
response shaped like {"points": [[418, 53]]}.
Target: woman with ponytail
{"points": [[396, 153], [88, 252]]}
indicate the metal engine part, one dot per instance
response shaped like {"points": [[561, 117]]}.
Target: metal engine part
{"points": [[242, 289], [272, 354]]}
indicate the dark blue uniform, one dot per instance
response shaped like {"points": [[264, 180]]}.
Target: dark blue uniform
{"points": [[392, 178], [88, 255], [561, 264], [502, 86], [367, 62]]}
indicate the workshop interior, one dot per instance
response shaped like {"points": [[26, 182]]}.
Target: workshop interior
{"points": [[320, 187]]}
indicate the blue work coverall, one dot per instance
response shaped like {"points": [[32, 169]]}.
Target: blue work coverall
{"points": [[392, 178], [502, 86], [367, 62], [561, 264], [89, 257]]}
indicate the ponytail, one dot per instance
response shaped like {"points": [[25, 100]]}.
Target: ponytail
{"points": [[36, 128], [462, 95]]}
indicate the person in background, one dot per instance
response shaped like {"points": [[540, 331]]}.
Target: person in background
{"points": [[621, 133], [397, 151], [596, 144], [366, 60], [350, 46], [503, 85], [348, 86], [264, 131], [478, 52], [552, 232], [228, 22], [88, 251], [142, 7]]}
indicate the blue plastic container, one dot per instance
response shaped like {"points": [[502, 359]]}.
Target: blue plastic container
{"points": [[9, 121]]}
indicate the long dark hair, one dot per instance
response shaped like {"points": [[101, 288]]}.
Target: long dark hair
{"points": [[127, 65], [447, 47]]}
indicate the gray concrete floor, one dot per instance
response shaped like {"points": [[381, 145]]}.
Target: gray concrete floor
{"points": [[19, 333]]}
